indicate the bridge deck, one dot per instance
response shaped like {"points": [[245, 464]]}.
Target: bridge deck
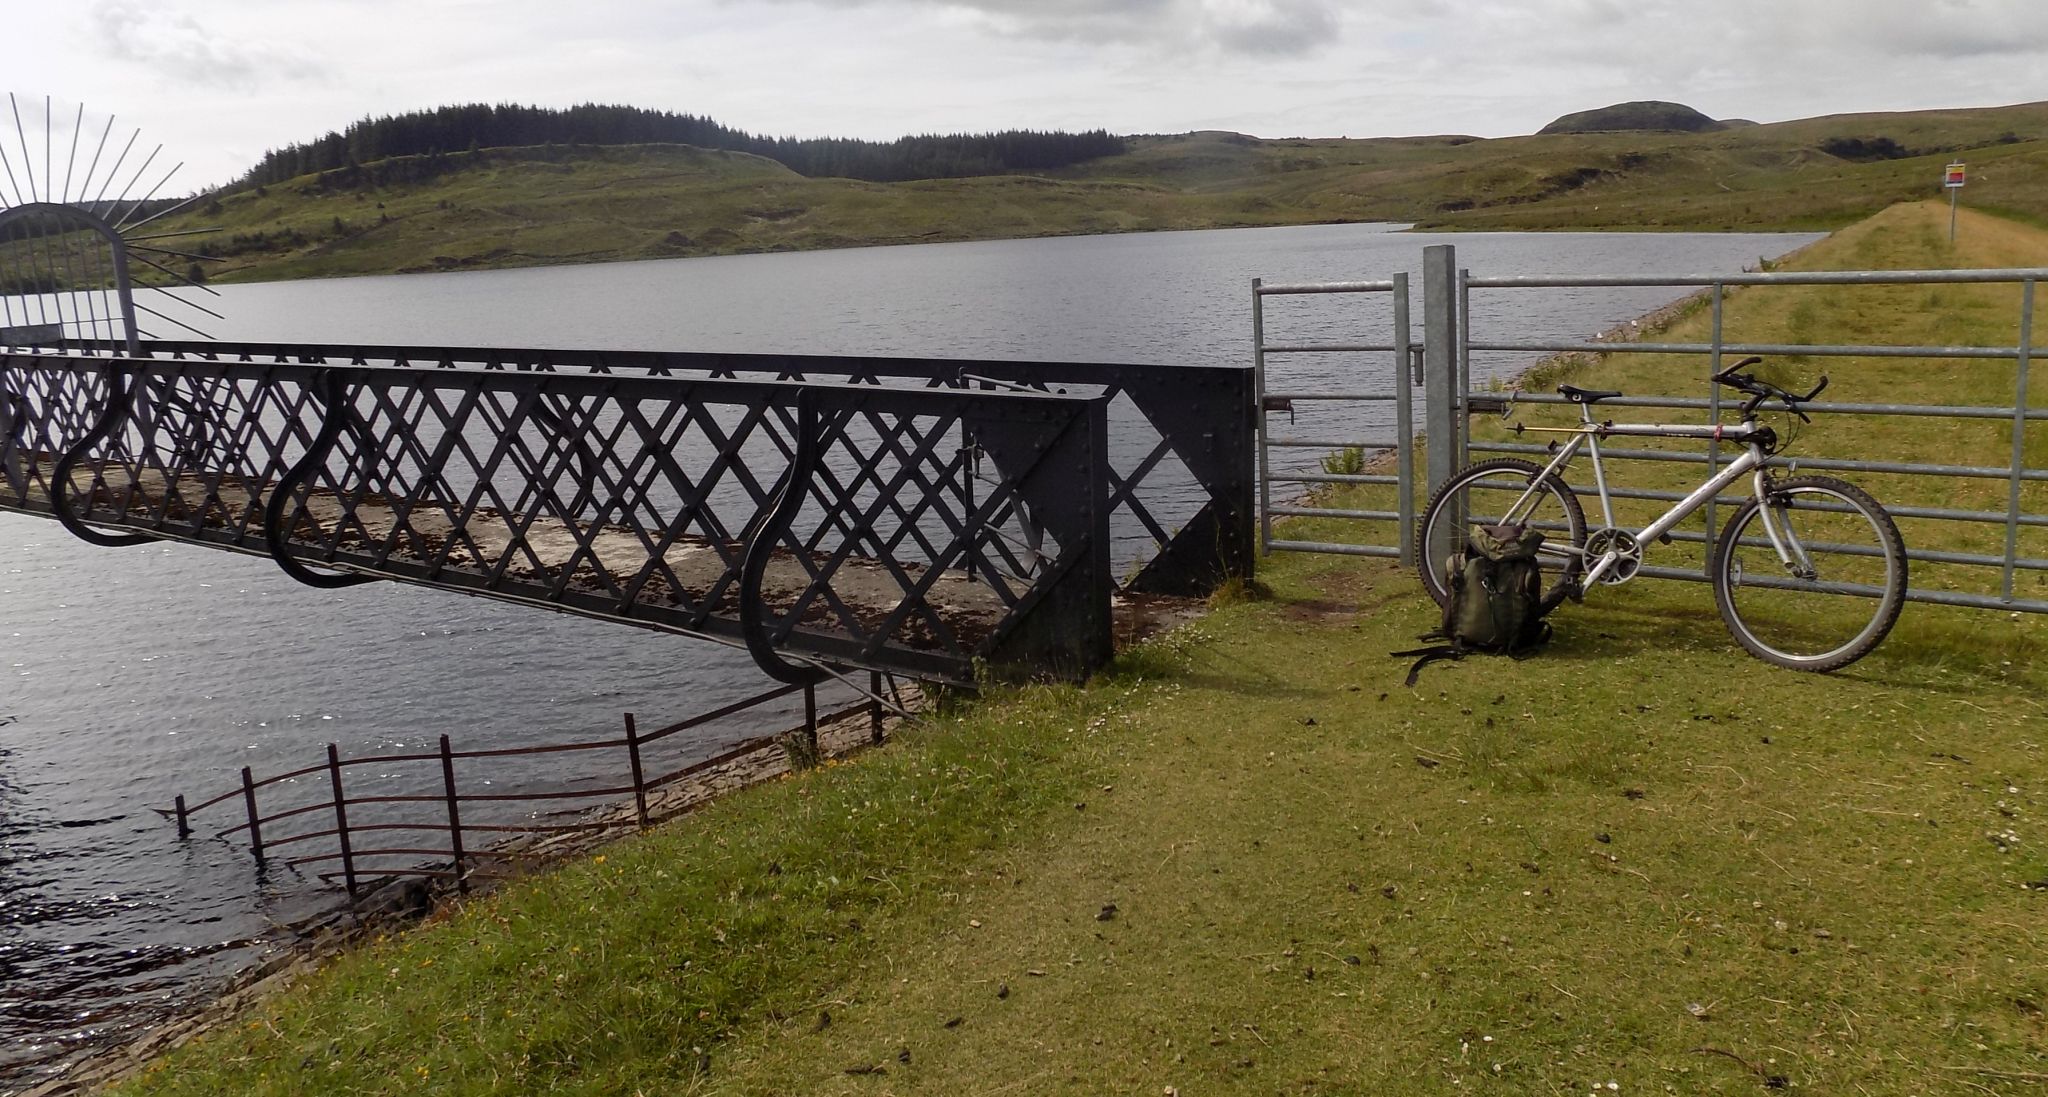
{"points": [[548, 552], [690, 571]]}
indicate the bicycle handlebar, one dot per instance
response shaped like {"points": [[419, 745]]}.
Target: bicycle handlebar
{"points": [[1760, 391]]}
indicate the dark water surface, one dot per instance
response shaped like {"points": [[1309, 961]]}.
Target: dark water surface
{"points": [[128, 676]]}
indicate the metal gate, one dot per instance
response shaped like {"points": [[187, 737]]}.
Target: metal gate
{"points": [[2009, 573], [1347, 458], [2009, 569]]}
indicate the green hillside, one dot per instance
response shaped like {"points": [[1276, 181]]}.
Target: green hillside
{"points": [[568, 204]]}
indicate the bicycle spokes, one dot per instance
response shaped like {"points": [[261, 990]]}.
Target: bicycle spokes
{"points": [[1811, 578]]}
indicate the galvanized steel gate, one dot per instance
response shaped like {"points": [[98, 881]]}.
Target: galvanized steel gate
{"points": [[2020, 561], [1355, 386]]}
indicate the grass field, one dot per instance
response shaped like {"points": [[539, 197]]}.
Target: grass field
{"points": [[1246, 860], [558, 204]]}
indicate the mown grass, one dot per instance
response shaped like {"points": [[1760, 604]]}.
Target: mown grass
{"points": [[1247, 860], [557, 204]]}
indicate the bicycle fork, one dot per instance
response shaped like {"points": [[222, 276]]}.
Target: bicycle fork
{"points": [[1795, 558]]}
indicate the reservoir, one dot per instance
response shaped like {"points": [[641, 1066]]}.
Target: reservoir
{"points": [[129, 676]]}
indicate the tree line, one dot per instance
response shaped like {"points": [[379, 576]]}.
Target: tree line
{"points": [[475, 126]]}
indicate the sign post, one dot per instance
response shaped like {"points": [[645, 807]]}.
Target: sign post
{"points": [[1953, 181]]}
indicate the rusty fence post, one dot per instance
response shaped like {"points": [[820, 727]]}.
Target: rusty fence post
{"points": [[348, 858], [811, 719], [255, 823], [639, 781], [454, 813], [875, 707]]}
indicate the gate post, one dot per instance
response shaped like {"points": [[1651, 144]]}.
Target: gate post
{"points": [[1404, 422], [1442, 425]]}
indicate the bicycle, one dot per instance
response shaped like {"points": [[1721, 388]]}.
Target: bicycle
{"points": [[1809, 573]]}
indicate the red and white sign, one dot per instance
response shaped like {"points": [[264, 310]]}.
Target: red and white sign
{"points": [[1955, 176]]}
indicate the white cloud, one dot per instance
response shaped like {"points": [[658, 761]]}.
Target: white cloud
{"points": [[175, 46], [1259, 27]]}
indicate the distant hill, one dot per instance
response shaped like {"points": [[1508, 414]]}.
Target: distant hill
{"points": [[558, 202], [1649, 114]]}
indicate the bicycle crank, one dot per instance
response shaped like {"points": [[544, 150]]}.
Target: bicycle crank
{"points": [[1628, 554]]}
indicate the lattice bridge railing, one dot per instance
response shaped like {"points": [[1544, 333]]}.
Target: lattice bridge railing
{"points": [[1181, 474], [921, 530]]}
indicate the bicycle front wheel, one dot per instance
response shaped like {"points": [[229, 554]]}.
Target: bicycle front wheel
{"points": [[1505, 489], [1840, 595]]}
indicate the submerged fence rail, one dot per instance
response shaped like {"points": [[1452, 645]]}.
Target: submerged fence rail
{"points": [[364, 847]]}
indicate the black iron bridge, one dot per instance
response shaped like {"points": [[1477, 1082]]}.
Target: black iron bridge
{"points": [[937, 518]]}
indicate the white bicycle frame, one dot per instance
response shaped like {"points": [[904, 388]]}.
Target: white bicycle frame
{"points": [[1588, 435]]}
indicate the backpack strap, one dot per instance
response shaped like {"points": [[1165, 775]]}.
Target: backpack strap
{"points": [[1539, 635], [1429, 655], [1555, 598], [1453, 573]]}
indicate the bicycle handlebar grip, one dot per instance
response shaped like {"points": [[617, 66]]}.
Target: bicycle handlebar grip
{"points": [[1727, 376]]}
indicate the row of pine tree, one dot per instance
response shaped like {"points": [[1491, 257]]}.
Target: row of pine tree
{"points": [[478, 126]]}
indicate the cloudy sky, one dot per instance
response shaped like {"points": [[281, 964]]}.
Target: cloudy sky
{"points": [[220, 81]]}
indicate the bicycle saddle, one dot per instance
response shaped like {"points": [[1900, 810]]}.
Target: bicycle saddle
{"points": [[1578, 395]]}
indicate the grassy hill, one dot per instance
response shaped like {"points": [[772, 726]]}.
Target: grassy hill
{"points": [[567, 204], [1642, 115]]}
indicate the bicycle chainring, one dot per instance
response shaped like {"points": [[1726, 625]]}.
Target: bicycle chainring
{"points": [[1601, 541]]}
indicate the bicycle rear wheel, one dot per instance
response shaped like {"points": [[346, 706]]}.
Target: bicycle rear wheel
{"points": [[1825, 617], [1505, 489]]}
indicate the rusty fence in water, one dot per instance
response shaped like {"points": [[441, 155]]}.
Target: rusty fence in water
{"points": [[422, 832]]}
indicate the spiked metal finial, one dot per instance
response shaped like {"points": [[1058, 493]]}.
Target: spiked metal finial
{"points": [[65, 247]]}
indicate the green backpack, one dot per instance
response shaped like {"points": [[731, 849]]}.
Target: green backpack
{"points": [[1496, 601]]}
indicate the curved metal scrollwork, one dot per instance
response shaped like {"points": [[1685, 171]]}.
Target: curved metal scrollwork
{"points": [[339, 415], [789, 498], [120, 398]]}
